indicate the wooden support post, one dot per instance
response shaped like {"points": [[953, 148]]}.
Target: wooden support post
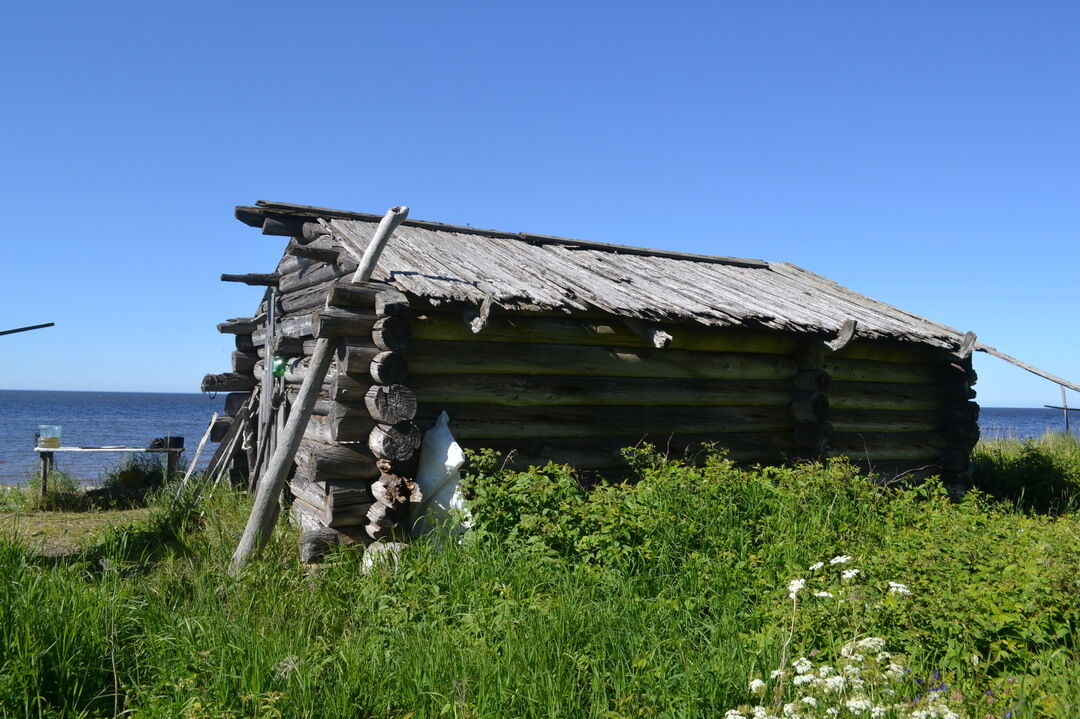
{"points": [[171, 458], [46, 467], [264, 511]]}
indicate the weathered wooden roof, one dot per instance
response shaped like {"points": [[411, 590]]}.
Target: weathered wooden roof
{"points": [[524, 272]]}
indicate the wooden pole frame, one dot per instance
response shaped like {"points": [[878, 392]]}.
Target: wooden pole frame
{"points": [[264, 511]]}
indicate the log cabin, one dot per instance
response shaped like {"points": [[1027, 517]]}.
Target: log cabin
{"points": [[548, 348]]}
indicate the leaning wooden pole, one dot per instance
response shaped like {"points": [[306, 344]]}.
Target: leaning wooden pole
{"points": [[264, 512]]}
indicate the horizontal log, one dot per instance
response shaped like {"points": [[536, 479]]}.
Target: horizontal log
{"points": [[877, 420], [348, 515], [611, 332], [240, 325], [314, 274], [323, 404], [343, 492], [543, 359], [234, 401], [283, 227], [244, 343], [383, 299], [283, 346], [244, 362], [467, 421], [884, 395], [257, 279], [548, 390], [853, 370], [329, 429], [343, 322], [876, 446], [349, 389], [317, 254], [600, 453], [228, 382], [316, 539], [317, 460], [382, 367], [888, 351], [810, 407], [298, 326], [309, 298]]}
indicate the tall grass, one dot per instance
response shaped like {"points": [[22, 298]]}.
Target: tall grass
{"points": [[660, 598]]}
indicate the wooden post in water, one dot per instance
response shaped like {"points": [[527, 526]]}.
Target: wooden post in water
{"points": [[264, 512]]}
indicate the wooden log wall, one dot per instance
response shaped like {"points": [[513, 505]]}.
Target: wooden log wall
{"points": [[578, 389]]}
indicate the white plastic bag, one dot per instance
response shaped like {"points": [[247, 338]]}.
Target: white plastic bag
{"points": [[442, 505]]}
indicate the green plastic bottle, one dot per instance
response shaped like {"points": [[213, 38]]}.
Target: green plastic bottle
{"points": [[279, 366]]}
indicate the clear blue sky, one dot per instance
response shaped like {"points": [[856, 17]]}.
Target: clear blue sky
{"points": [[926, 154]]}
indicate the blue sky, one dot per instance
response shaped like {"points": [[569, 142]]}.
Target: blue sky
{"points": [[926, 154]]}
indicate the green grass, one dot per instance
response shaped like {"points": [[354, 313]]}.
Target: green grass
{"points": [[660, 599]]}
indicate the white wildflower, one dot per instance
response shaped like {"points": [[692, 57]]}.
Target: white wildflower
{"points": [[734, 714], [824, 595], [832, 711], [883, 657], [824, 670], [853, 670], [894, 670], [809, 701], [898, 588], [858, 705], [795, 586], [840, 559], [878, 712], [760, 712], [757, 686], [816, 566], [791, 710], [802, 665], [803, 679], [850, 573], [835, 683], [776, 674], [874, 644]]}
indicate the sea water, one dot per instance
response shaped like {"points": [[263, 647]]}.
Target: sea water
{"points": [[95, 419]]}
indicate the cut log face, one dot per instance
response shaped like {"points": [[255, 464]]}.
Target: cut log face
{"points": [[391, 333], [395, 442], [390, 404]]}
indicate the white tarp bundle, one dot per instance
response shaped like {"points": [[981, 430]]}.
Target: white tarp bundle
{"points": [[441, 458]]}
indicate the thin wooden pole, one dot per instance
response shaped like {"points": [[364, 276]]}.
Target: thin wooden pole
{"points": [[198, 453], [1065, 404], [27, 329], [265, 509]]}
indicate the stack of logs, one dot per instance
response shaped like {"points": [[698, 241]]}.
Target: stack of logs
{"points": [[351, 480]]}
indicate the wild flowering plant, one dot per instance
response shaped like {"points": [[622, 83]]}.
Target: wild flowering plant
{"points": [[864, 681]]}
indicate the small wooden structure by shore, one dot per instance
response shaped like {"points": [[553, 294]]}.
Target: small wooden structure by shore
{"points": [[549, 348]]}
